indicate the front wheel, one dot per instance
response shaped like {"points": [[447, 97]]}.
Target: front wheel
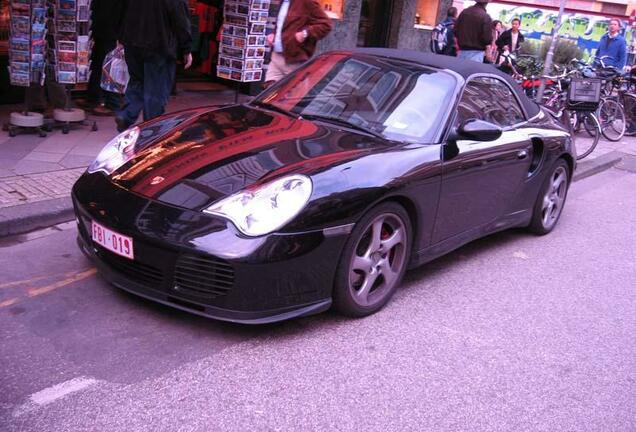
{"points": [[587, 131], [551, 199], [373, 262]]}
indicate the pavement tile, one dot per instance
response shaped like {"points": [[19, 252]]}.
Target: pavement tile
{"points": [[44, 156], [30, 167], [76, 161], [56, 143]]}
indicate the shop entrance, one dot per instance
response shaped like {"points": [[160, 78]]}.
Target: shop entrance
{"points": [[375, 23]]}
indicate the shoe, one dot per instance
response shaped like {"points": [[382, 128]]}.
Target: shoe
{"points": [[122, 124], [101, 110]]}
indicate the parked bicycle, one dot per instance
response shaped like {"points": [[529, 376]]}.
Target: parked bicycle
{"points": [[574, 108]]}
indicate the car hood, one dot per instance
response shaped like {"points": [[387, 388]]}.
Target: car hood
{"points": [[216, 153]]}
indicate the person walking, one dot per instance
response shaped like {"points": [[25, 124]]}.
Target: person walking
{"points": [[105, 19], [511, 39], [474, 31], [491, 55], [154, 33], [446, 32], [613, 45], [300, 24]]}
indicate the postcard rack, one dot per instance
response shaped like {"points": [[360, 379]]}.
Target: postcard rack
{"points": [[69, 54], [27, 49], [243, 40]]}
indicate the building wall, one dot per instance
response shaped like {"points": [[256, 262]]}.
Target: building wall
{"points": [[402, 35], [345, 31]]}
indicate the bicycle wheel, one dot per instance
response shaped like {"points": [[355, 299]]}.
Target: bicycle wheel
{"points": [[611, 117], [629, 107], [586, 141]]}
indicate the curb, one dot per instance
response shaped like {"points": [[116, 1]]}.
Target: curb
{"points": [[42, 214], [594, 166]]}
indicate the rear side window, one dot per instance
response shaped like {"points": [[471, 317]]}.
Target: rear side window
{"points": [[489, 99]]}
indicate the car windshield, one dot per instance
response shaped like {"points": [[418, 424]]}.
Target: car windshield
{"points": [[394, 99]]}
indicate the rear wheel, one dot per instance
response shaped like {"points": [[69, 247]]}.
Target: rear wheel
{"points": [[373, 261], [550, 201], [611, 117], [629, 107]]}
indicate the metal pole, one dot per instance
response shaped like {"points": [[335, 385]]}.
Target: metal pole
{"points": [[547, 65]]}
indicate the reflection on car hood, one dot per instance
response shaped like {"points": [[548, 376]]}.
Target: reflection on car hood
{"points": [[220, 152]]}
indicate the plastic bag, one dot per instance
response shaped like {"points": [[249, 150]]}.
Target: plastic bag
{"points": [[115, 72]]}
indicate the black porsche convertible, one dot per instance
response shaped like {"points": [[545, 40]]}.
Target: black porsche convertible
{"points": [[324, 189]]}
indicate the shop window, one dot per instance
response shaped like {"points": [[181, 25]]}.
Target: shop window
{"points": [[333, 8], [426, 13], [4, 26]]}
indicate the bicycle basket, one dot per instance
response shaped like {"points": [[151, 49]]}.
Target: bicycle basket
{"points": [[584, 94]]}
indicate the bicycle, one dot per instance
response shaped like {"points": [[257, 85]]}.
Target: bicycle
{"points": [[576, 116]]}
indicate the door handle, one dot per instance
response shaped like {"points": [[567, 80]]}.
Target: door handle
{"points": [[522, 154]]}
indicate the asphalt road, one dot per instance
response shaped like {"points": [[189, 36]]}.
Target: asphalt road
{"points": [[511, 333]]}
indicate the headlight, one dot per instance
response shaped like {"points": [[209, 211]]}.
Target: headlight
{"points": [[116, 153], [267, 208]]}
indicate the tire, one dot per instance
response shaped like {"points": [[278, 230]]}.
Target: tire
{"points": [[586, 141], [373, 261], [629, 107], [611, 117], [551, 199]]}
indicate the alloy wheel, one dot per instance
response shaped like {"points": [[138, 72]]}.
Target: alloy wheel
{"points": [[554, 197], [378, 260]]}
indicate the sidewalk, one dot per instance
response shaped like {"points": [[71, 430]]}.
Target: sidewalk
{"points": [[36, 174]]}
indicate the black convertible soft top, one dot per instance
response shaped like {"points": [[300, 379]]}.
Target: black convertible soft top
{"points": [[465, 68]]}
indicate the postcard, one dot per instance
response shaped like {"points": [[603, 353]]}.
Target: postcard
{"points": [[66, 77]]}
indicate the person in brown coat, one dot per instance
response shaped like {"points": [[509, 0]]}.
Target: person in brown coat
{"points": [[300, 24], [474, 31]]}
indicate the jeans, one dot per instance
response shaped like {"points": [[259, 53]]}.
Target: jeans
{"points": [[151, 78], [473, 55], [95, 93]]}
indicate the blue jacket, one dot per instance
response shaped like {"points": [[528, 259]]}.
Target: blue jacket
{"points": [[615, 47]]}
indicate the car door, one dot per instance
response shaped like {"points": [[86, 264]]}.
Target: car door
{"points": [[479, 179]]}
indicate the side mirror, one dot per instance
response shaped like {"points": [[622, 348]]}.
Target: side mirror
{"points": [[476, 130]]}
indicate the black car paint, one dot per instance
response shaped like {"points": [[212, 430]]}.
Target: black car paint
{"points": [[351, 173]]}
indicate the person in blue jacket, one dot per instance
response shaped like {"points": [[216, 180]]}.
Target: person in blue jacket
{"points": [[613, 45]]}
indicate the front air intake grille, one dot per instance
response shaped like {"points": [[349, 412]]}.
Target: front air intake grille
{"points": [[144, 274], [203, 277]]}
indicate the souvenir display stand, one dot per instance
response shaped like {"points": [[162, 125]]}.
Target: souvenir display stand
{"points": [[69, 55], [27, 49], [243, 41]]}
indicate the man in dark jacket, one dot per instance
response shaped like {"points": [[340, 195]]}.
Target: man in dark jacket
{"points": [[155, 33], [474, 31], [511, 39], [105, 20], [300, 24]]}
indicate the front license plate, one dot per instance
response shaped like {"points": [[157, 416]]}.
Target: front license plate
{"points": [[113, 241]]}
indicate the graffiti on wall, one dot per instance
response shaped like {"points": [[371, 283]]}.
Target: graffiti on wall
{"points": [[585, 30]]}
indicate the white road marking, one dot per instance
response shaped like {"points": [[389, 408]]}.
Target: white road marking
{"points": [[58, 391], [53, 393]]}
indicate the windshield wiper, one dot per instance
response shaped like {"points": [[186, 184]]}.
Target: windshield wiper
{"points": [[341, 122], [272, 107]]}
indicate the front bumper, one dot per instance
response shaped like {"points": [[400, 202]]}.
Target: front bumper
{"points": [[201, 264]]}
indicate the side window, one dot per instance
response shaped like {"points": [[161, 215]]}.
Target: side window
{"points": [[491, 100]]}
